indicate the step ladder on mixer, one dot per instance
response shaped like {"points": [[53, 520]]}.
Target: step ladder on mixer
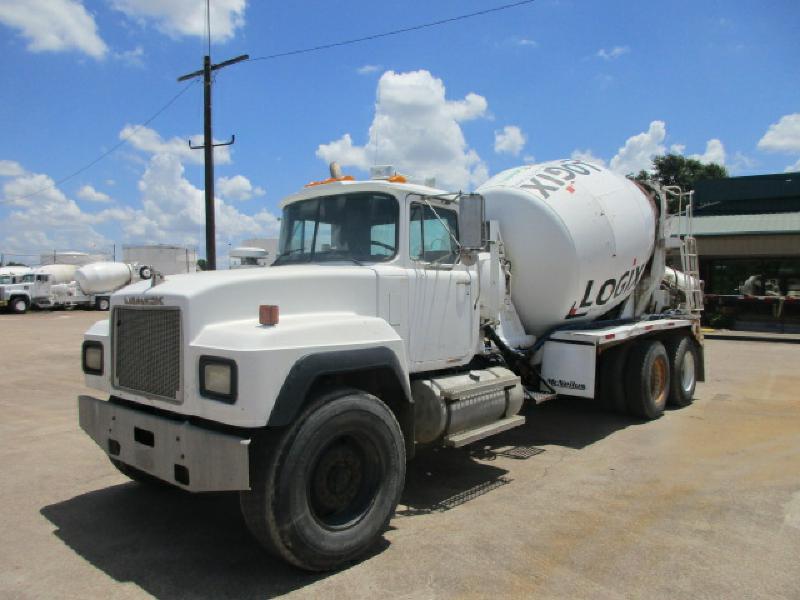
{"points": [[688, 251]]}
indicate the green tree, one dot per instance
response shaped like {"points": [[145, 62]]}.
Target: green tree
{"points": [[201, 264], [674, 169]]}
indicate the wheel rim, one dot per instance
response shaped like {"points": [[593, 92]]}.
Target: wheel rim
{"points": [[19, 305], [687, 372], [658, 382], [344, 482]]}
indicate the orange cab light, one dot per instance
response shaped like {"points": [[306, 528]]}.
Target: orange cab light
{"points": [[268, 314], [331, 180], [397, 179]]}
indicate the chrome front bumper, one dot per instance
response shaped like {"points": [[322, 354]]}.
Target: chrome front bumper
{"points": [[185, 455]]}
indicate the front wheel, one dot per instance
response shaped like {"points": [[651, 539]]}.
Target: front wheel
{"points": [[19, 305], [324, 491], [103, 304]]}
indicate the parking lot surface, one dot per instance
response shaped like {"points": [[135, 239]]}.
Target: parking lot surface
{"points": [[578, 503]]}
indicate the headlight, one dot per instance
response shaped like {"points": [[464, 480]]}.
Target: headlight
{"points": [[218, 379], [92, 357]]}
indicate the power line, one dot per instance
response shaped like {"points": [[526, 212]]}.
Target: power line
{"points": [[376, 36], [113, 148]]}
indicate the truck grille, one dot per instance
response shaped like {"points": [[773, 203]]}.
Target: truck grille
{"points": [[147, 351]]}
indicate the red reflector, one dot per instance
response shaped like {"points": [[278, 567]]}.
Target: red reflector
{"points": [[648, 327], [610, 336], [268, 314]]}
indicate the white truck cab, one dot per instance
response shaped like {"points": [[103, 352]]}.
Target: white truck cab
{"points": [[386, 322]]}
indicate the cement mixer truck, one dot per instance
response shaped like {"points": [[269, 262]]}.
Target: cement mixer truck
{"points": [[68, 286], [397, 316]]}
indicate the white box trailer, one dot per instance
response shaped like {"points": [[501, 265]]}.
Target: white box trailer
{"points": [[395, 316]]}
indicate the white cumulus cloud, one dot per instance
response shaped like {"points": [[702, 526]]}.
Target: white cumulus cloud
{"points": [[367, 69], [10, 168], [417, 129], [186, 17], [42, 217], [173, 209], [54, 25], [715, 153], [87, 192], [587, 156], [510, 140], [639, 150], [237, 187], [783, 136], [612, 53]]}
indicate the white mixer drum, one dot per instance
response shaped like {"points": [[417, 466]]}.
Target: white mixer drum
{"points": [[58, 273], [102, 277], [578, 237]]}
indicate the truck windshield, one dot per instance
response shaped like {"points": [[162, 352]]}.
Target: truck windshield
{"points": [[357, 227], [4, 279]]}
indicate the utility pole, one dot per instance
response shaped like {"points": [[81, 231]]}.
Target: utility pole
{"points": [[208, 148]]}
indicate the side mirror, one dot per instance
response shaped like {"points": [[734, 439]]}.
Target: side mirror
{"points": [[470, 222]]}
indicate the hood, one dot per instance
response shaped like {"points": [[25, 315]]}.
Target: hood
{"points": [[218, 296]]}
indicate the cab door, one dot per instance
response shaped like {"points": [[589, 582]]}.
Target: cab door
{"points": [[442, 292]]}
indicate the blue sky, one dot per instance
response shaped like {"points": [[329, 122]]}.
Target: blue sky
{"points": [[617, 81]]}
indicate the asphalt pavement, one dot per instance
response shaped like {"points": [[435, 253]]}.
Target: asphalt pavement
{"points": [[701, 503]]}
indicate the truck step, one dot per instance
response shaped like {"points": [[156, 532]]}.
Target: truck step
{"points": [[539, 397], [462, 438]]}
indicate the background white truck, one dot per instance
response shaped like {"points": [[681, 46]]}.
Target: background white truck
{"points": [[66, 286], [396, 316]]}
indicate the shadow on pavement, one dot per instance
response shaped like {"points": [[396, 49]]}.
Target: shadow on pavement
{"points": [[173, 544]]}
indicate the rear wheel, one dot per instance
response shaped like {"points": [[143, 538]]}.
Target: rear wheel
{"points": [[683, 362], [647, 379], [323, 492], [19, 305], [102, 304]]}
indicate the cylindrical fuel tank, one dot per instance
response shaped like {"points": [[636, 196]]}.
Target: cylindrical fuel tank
{"points": [[103, 277], [578, 237], [58, 273]]}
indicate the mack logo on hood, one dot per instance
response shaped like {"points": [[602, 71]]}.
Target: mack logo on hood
{"points": [[145, 300]]}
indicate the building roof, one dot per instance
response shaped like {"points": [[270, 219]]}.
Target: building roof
{"points": [[777, 193], [757, 224]]}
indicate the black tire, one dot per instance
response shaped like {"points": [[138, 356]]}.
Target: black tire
{"points": [[102, 303], [324, 491], [647, 379], [612, 378], [138, 476], [18, 305], [683, 360]]}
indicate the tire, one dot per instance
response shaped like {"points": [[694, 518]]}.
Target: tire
{"points": [[18, 305], [324, 491], [612, 378], [647, 379], [683, 359], [102, 304], [138, 476]]}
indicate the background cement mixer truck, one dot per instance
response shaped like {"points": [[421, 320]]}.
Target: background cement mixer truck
{"points": [[396, 316], [68, 286]]}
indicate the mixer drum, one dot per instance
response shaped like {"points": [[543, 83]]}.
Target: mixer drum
{"points": [[578, 237]]}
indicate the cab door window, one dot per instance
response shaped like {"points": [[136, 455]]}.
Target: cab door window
{"points": [[431, 238]]}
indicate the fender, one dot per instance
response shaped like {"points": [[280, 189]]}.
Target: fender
{"points": [[303, 374], [311, 366]]}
